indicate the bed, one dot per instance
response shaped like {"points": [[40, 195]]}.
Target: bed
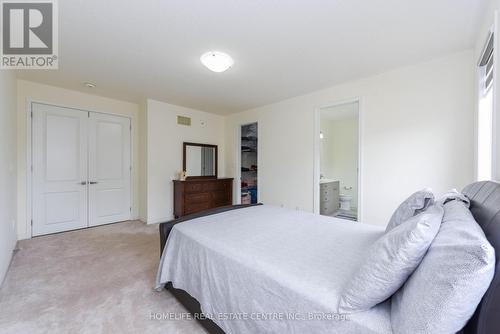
{"points": [[216, 266]]}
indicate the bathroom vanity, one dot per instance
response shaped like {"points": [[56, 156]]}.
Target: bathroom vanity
{"points": [[329, 197]]}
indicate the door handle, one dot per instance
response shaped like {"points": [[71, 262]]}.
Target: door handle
{"points": [[93, 182], [83, 183]]}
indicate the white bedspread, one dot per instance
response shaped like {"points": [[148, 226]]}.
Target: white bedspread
{"points": [[266, 262]]}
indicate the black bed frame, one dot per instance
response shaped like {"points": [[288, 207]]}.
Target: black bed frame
{"points": [[485, 207], [190, 303]]}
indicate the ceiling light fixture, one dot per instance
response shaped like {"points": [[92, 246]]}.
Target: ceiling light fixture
{"points": [[89, 84], [216, 61]]}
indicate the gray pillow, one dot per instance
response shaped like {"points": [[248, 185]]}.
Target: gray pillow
{"points": [[454, 195], [413, 205], [444, 291], [390, 261]]}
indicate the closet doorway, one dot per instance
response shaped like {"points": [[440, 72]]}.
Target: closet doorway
{"points": [[248, 163], [81, 169]]}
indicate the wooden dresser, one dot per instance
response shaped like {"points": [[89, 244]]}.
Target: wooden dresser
{"points": [[195, 195]]}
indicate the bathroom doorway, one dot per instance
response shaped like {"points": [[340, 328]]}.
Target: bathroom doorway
{"points": [[248, 163], [337, 189]]}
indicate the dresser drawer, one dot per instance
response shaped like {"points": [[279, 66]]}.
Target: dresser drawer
{"points": [[196, 198], [221, 198], [193, 208], [213, 186], [192, 196], [328, 192], [330, 186], [192, 187], [326, 198], [325, 208], [330, 189]]}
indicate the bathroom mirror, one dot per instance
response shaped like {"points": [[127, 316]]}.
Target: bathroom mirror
{"points": [[199, 160]]}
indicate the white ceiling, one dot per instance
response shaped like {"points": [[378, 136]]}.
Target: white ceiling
{"points": [[282, 48]]}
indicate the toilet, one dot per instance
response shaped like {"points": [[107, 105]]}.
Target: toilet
{"points": [[345, 202]]}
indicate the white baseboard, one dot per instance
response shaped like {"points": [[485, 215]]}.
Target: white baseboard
{"points": [[3, 272], [23, 236], [159, 220]]}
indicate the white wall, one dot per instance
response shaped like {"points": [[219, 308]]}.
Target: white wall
{"points": [[415, 123], [164, 148], [27, 90], [7, 169], [488, 21], [416, 132], [339, 154]]}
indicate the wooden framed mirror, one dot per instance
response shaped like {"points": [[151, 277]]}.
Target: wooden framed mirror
{"points": [[199, 160]]}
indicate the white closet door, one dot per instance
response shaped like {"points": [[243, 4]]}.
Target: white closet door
{"points": [[109, 169], [59, 169]]}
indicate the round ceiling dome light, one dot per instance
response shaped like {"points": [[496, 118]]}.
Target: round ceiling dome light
{"points": [[216, 61]]}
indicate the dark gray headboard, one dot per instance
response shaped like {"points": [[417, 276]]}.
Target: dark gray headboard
{"points": [[485, 207]]}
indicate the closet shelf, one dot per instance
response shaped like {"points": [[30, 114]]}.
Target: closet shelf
{"points": [[253, 139]]}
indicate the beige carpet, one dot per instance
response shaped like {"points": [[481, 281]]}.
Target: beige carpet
{"points": [[97, 280]]}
